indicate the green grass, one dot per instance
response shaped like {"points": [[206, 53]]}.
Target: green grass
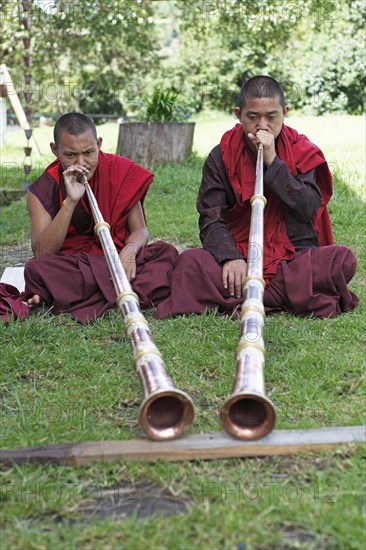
{"points": [[65, 382]]}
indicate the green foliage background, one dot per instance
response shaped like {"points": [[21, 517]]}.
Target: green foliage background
{"points": [[104, 57]]}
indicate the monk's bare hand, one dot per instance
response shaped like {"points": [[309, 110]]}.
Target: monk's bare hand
{"points": [[73, 181], [128, 259], [233, 275], [268, 141]]}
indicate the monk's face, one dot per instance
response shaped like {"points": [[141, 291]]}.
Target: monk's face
{"points": [[264, 113], [79, 150]]}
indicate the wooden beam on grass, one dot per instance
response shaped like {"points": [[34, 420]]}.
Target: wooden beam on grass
{"points": [[192, 447]]}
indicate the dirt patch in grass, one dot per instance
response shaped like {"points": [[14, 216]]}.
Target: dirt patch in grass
{"points": [[141, 500], [297, 537]]}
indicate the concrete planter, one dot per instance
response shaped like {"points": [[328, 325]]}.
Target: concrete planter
{"points": [[152, 143]]}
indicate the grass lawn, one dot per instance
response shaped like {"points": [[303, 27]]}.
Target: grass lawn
{"points": [[65, 382]]}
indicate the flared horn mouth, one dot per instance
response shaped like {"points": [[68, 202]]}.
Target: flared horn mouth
{"points": [[248, 416], [166, 415]]}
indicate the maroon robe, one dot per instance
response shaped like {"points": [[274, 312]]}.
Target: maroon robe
{"points": [[313, 283], [11, 305], [80, 283]]}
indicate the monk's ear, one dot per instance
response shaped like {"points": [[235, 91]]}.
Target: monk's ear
{"points": [[99, 142], [237, 112], [54, 149], [285, 110]]}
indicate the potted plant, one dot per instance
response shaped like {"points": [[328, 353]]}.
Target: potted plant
{"points": [[163, 135]]}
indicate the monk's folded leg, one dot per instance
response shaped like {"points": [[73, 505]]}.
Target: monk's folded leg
{"points": [[35, 284], [314, 283], [154, 265], [334, 267], [196, 286], [78, 284]]}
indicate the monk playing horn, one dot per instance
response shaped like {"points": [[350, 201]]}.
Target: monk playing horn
{"points": [[69, 272], [305, 273]]}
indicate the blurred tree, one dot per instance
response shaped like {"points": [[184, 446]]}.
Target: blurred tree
{"points": [[76, 44], [106, 55], [226, 42], [315, 48], [328, 60]]}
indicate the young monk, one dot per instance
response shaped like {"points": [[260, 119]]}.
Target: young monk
{"points": [[305, 273], [69, 272]]}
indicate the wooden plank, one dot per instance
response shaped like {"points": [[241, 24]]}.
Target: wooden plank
{"points": [[199, 446]]}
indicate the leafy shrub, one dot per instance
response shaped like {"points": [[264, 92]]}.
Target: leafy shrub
{"points": [[162, 105]]}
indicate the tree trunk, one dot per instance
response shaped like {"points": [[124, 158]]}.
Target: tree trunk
{"points": [[152, 143]]}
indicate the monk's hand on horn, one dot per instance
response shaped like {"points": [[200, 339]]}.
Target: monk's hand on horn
{"points": [[73, 181], [268, 141]]}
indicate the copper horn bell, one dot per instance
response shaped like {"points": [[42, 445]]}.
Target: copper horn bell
{"points": [[165, 412], [247, 413]]}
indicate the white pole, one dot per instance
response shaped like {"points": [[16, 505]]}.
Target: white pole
{"points": [[17, 106], [3, 121], [3, 115]]}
